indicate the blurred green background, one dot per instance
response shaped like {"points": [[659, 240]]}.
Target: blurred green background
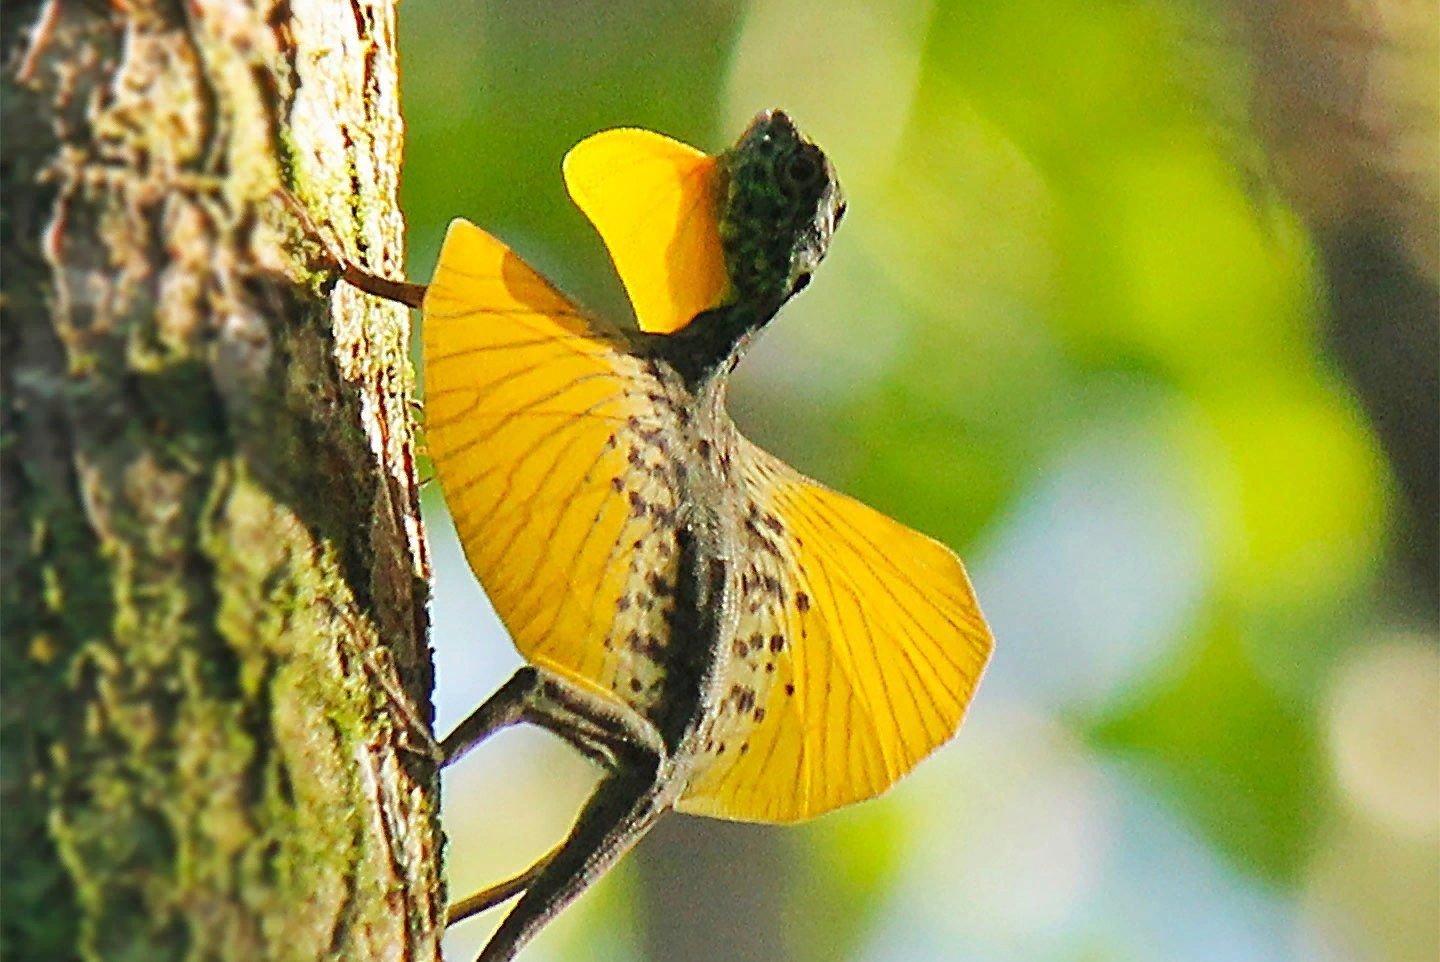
{"points": [[1134, 307]]}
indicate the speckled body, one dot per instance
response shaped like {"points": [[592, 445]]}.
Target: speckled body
{"points": [[676, 657], [661, 618]]}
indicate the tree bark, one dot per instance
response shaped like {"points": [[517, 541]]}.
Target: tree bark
{"points": [[216, 686]]}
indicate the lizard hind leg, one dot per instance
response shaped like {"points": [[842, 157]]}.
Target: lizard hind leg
{"points": [[636, 790], [623, 808], [495, 894]]}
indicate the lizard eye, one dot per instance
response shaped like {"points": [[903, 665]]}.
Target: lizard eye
{"points": [[799, 171]]}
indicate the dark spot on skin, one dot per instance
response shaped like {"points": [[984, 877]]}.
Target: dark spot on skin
{"points": [[789, 689], [618, 484], [704, 448], [632, 641], [773, 523], [774, 587], [759, 714], [744, 698], [741, 649], [623, 604], [637, 504], [745, 747], [802, 601], [777, 643], [637, 544], [757, 641], [720, 749], [636, 686], [658, 585], [635, 458], [759, 540], [769, 666]]}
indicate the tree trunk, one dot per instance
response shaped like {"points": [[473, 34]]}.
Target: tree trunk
{"points": [[215, 681]]}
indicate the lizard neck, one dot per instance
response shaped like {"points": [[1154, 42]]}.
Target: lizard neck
{"points": [[706, 350]]}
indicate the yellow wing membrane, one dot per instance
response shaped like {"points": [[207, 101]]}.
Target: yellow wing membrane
{"points": [[653, 202], [861, 645], [531, 417]]}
